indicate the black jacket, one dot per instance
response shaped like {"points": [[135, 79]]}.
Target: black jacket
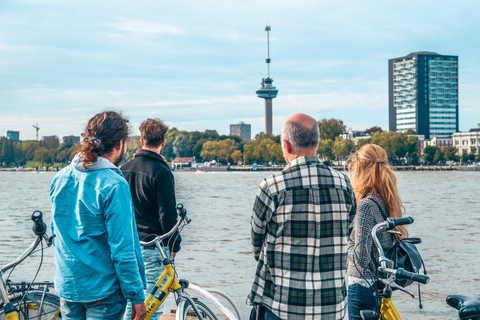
{"points": [[153, 193]]}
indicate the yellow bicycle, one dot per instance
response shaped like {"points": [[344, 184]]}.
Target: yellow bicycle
{"points": [[386, 310], [187, 305], [23, 301]]}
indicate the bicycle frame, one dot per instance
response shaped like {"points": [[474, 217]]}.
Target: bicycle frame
{"points": [[160, 292], [388, 310], [157, 296]]}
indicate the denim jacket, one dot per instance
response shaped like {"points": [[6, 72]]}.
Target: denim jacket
{"points": [[97, 250]]}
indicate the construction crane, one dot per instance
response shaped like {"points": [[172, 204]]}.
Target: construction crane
{"points": [[36, 128]]}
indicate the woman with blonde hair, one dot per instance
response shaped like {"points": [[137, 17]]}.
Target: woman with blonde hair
{"points": [[377, 197]]}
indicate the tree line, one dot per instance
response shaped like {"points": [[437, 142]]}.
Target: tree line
{"points": [[36, 153], [264, 149]]}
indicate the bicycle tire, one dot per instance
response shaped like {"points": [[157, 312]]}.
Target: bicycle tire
{"points": [[29, 310], [190, 314]]}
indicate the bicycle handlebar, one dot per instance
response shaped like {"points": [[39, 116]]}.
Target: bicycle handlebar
{"points": [[405, 275], [39, 227], [402, 221], [385, 263], [182, 213]]}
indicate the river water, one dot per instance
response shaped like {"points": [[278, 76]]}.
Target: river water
{"points": [[216, 250]]}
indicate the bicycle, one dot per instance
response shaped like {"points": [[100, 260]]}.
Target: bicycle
{"points": [[186, 303], [23, 301], [386, 310]]}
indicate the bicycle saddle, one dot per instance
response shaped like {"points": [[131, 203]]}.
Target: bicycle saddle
{"points": [[468, 307]]}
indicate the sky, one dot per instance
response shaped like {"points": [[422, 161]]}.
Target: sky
{"points": [[196, 64]]}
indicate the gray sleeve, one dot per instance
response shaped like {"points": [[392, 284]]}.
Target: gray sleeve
{"points": [[364, 223]]}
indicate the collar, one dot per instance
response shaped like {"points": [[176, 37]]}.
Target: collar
{"points": [[303, 160], [151, 155]]}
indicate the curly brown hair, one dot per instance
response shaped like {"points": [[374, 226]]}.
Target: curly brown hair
{"points": [[103, 133], [153, 132]]}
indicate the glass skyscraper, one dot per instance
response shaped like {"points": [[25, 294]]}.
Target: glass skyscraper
{"points": [[423, 94]]}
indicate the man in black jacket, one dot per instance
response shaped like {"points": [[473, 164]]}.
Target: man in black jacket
{"points": [[153, 193]]}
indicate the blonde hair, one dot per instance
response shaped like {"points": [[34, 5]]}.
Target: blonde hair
{"points": [[370, 172]]}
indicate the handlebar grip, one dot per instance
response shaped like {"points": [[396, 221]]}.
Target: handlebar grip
{"points": [[405, 275], [39, 227], [402, 221], [181, 211]]}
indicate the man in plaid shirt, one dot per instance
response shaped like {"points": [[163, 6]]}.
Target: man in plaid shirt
{"points": [[301, 221]]}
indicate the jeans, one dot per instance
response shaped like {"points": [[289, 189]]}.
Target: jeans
{"points": [[269, 315], [110, 308], [153, 270], [360, 298]]}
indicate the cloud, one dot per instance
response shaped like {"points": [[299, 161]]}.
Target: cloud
{"points": [[140, 26]]}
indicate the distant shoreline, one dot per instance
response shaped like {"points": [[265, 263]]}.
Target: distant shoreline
{"points": [[261, 168]]}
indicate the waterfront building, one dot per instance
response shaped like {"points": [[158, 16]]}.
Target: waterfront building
{"points": [[355, 136], [423, 94], [438, 142], [241, 129], [14, 135], [467, 142], [184, 162], [75, 139]]}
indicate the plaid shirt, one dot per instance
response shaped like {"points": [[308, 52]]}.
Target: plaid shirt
{"points": [[301, 221]]}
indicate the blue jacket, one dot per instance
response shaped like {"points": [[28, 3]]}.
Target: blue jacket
{"points": [[97, 250]]}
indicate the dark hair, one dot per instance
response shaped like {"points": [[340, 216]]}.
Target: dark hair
{"points": [[299, 136], [153, 132], [103, 133]]}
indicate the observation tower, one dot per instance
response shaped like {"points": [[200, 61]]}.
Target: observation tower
{"points": [[267, 91]]}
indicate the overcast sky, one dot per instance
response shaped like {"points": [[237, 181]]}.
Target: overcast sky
{"points": [[197, 64]]}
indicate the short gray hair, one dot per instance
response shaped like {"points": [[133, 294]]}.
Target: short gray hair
{"points": [[301, 137]]}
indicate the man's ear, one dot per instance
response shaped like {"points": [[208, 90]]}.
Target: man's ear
{"points": [[142, 142], [287, 146], [163, 143]]}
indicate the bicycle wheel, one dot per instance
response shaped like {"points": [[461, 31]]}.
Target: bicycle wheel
{"points": [[190, 314], [28, 309]]}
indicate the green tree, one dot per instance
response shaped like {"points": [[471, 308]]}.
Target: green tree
{"points": [[43, 155], [429, 154], [439, 156], [325, 149], [220, 150], [331, 128], [464, 157], [237, 156], [263, 149], [197, 149], [450, 153], [397, 144], [7, 151], [373, 129], [181, 146], [343, 147]]}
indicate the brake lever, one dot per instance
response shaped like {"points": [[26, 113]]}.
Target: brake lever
{"points": [[48, 240], [392, 284], [394, 232]]}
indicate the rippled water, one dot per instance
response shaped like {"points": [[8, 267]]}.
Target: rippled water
{"points": [[216, 249]]}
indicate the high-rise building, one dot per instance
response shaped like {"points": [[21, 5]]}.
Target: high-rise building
{"points": [[14, 135], [241, 129], [423, 94]]}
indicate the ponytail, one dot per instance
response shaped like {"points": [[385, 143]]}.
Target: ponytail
{"points": [[103, 133]]}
